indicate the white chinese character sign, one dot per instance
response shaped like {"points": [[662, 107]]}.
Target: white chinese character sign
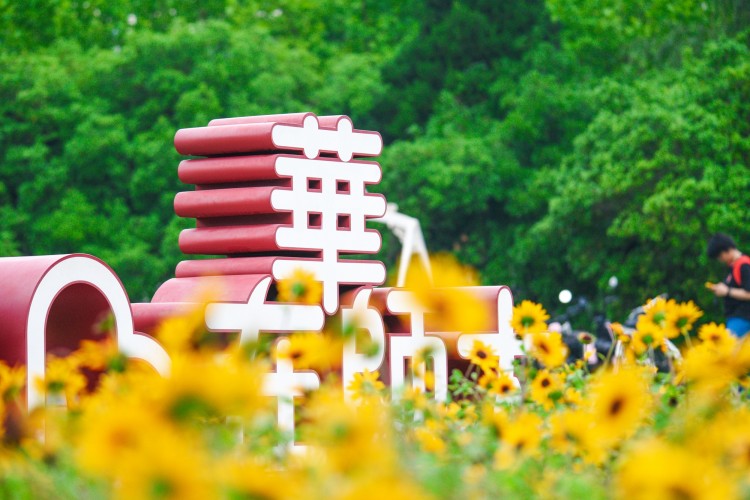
{"points": [[273, 194], [282, 195]]}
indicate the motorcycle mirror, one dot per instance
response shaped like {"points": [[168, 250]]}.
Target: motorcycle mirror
{"points": [[565, 296], [613, 282]]}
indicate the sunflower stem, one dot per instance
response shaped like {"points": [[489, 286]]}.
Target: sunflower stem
{"points": [[688, 342], [610, 352]]}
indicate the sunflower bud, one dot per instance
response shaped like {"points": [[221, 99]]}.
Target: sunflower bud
{"points": [[585, 338]]}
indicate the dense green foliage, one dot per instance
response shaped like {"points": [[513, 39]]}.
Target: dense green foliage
{"points": [[549, 144]]}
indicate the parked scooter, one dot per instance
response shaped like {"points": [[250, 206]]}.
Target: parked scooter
{"points": [[659, 358], [601, 343]]}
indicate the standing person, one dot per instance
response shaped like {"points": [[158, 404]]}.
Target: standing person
{"points": [[736, 287]]}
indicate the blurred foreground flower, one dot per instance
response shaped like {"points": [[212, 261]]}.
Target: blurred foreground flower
{"points": [[654, 470], [62, 380], [620, 401], [451, 306], [300, 286], [366, 384], [206, 430], [309, 350]]}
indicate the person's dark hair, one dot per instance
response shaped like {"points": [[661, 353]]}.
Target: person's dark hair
{"points": [[718, 244]]}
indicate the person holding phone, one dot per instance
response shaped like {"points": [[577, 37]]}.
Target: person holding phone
{"points": [[735, 289]]}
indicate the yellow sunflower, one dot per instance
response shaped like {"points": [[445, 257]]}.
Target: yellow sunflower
{"points": [[495, 418], [718, 336], [488, 377], [741, 358], [655, 470], [353, 437], [12, 381], [520, 439], [619, 332], [310, 350], [683, 317], [571, 433], [529, 318], [573, 397], [546, 388], [365, 384], [708, 367], [250, 477], [110, 432], [452, 307], [647, 335], [165, 466], [728, 436], [301, 287], [429, 440], [620, 401], [445, 271], [183, 331], [62, 379], [502, 385], [483, 356], [725, 436], [660, 313], [202, 386], [101, 355], [548, 348]]}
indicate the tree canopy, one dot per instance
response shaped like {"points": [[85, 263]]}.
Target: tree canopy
{"points": [[551, 145]]}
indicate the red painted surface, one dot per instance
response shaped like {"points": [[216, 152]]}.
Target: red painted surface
{"points": [[286, 119], [226, 169], [224, 202], [229, 240], [75, 314], [147, 316], [225, 139], [218, 267], [216, 288]]}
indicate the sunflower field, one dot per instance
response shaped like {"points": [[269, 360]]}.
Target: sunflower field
{"points": [[554, 428]]}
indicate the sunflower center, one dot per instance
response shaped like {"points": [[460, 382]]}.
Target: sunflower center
{"points": [[616, 406], [571, 437], [481, 354], [162, 488], [528, 321], [121, 438], [678, 492], [439, 304], [545, 382], [298, 289], [55, 386]]}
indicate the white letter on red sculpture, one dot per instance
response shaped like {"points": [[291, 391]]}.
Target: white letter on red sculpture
{"points": [[402, 347], [503, 342], [80, 269], [258, 315], [365, 318], [285, 384]]}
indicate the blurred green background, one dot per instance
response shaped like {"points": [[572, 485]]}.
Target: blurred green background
{"points": [[550, 144]]}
